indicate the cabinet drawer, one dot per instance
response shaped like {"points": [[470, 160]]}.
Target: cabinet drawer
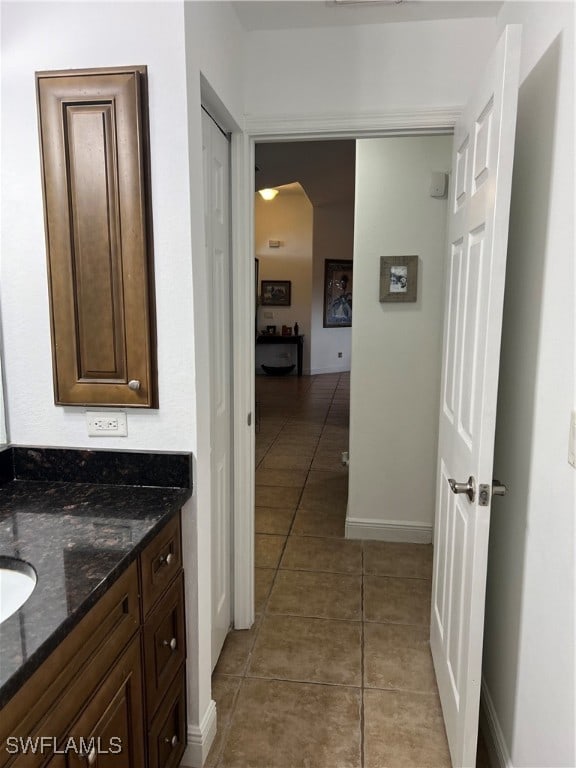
{"points": [[164, 644], [167, 735], [160, 562]]}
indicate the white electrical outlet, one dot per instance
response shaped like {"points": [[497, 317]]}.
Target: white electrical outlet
{"points": [[106, 424]]}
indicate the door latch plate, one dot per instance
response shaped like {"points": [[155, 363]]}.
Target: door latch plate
{"points": [[483, 495]]}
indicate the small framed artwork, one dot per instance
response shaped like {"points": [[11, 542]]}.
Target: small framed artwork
{"points": [[275, 293], [398, 278], [337, 293]]}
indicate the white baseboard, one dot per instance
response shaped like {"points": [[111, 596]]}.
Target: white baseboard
{"points": [[200, 738], [329, 369], [492, 732], [388, 530]]}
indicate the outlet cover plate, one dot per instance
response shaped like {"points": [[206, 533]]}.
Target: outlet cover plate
{"points": [[106, 424]]}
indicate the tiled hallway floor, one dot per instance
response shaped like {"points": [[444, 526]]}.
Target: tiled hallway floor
{"points": [[336, 671]]}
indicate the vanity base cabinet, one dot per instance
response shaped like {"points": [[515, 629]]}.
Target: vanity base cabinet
{"points": [[113, 693], [50, 701]]}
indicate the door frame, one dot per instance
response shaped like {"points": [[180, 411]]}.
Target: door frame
{"points": [[415, 122]]}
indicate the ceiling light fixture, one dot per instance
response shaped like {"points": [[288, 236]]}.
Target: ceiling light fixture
{"points": [[268, 194]]}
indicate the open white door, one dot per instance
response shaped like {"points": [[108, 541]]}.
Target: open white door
{"points": [[216, 152], [478, 237]]}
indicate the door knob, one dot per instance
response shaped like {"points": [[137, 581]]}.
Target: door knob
{"points": [[468, 488], [498, 488], [172, 644]]}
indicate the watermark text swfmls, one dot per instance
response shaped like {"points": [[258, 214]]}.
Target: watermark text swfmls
{"points": [[43, 745]]}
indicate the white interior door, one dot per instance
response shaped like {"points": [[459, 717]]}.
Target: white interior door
{"points": [[478, 236], [216, 153]]}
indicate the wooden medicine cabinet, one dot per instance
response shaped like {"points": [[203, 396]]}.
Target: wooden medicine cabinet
{"points": [[95, 173]]}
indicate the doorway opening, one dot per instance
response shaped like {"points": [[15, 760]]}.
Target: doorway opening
{"points": [[397, 353], [415, 123]]}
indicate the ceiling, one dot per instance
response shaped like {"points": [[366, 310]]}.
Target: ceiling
{"points": [[279, 14], [325, 169]]}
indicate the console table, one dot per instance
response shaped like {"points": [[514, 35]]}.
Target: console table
{"points": [[297, 340]]}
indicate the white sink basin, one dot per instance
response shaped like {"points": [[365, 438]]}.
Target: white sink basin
{"points": [[17, 582]]}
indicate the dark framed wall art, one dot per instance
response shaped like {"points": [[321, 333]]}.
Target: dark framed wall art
{"points": [[338, 276], [275, 293]]}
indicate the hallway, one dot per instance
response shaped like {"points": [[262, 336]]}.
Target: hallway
{"points": [[336, 671]]}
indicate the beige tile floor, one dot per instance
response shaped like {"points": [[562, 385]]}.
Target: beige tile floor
{"points": [[336, 671]]}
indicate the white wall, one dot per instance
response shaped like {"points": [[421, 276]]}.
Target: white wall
{"points": [[396, 348], [287, 218], [529, 642], [364, 68], [215, 48], [333, 239], [178, 44], [43, 36]]}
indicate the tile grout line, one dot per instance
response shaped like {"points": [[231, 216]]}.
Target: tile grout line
{"points": [[305, 682], [244, 674], [309, 470], [277, 568], [228, 727], [264, 611]]}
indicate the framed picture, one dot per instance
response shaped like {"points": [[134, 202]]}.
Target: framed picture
{"points": [[398, 278], [275, 293], [337, 293]]}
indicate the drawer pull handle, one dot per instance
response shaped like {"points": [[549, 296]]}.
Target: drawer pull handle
{"points": [[166, 559], [91, 758], [173, 741], [172, 643]]}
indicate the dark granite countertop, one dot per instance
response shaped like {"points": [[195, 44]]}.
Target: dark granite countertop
{"points": [[79, 537]]}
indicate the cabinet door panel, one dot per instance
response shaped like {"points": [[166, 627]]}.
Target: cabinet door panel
{"points": [[96, 247], [111, 726], [94, 142], [167, 734], [164, 644]]}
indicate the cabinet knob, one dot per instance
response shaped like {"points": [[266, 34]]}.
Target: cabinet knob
{"points": [[172, 643], [173, 741], [166, 559], [134, 384]]}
